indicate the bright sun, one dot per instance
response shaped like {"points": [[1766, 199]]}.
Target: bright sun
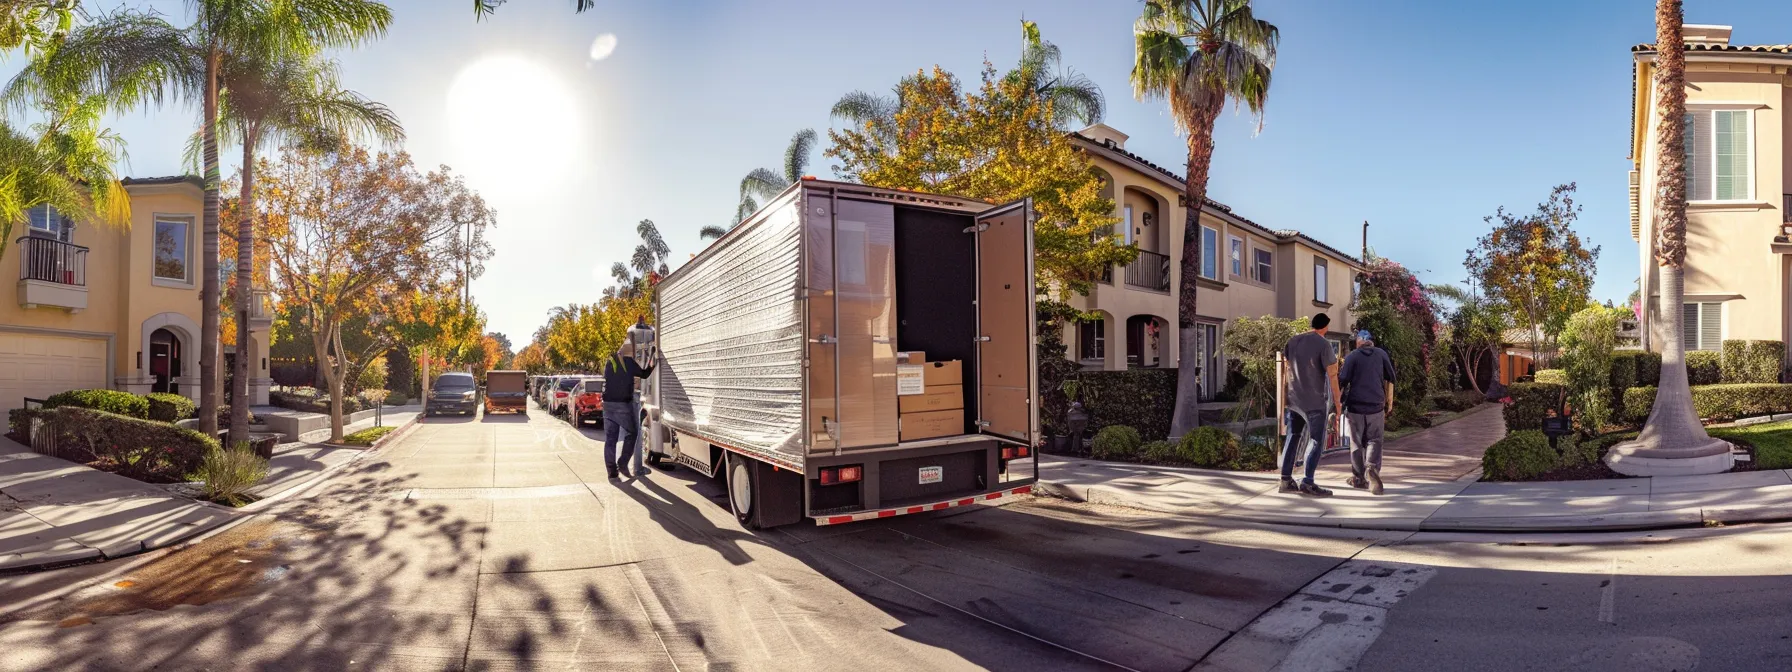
{"points": [[514, 124]]}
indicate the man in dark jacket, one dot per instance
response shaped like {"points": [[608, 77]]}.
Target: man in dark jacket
{"points": [[620, 373], [1368, 381]]}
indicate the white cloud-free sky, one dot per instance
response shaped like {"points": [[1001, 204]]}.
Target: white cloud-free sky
{"points": [[1418, 116]]}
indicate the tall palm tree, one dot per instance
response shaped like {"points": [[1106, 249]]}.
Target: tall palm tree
{"points": [[291, 98], [134, 58], [764, 184], [645, 267], [1197, 54], [1673, 437]]}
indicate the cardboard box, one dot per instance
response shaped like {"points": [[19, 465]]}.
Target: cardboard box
{"points": [[949, 372], [936, 398], [931, 424], [911, 379], [911, 357]]}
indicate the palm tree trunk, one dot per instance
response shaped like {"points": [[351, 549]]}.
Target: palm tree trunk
{"points": [[245, 290], [208, 283], [1187, 415]]}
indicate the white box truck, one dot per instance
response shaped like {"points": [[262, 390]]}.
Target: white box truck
{"points": [[778, 357]]}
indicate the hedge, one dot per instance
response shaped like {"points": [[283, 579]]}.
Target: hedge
{"points": [[1139, 398], [1523, 455], [311, 401], [1116, 441], [142, 449], [1552, 376], [1704, 367], [1206, 447], [110, 401], [165, 407], [1752, 361], [1531, 402], [1635, 367], [1458, 401], [1718, 402]]}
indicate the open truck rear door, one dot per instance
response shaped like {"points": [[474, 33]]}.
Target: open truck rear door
{"points": [[1005, 314]]}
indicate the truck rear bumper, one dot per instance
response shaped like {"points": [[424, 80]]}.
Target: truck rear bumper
{"points": [[921, 508]]}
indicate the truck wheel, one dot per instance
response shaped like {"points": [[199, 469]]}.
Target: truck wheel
{"points": [[742, 487]]}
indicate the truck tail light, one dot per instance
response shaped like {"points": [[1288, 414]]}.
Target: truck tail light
{"points": [[838, 475], [1015, 452], [559, 395]]}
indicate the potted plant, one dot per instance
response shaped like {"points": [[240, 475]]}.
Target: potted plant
{"points": [[1076, 419]]}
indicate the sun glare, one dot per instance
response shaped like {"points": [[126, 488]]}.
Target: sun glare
{"points": [[514, 123]]}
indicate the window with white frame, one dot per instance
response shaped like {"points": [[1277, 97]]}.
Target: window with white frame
{"points": [[45, 221], [1210, 253], [172, 243], [1720, 155], [1128, 225], [1235, 254], [1319, 281], [1701, 326], [1265, 265], [1092, 340]]}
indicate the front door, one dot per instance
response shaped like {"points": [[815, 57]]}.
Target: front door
{"points": [[1212, 373], [1005, 365], [164, 361]]}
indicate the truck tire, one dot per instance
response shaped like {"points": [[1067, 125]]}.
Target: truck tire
{"points": [[742, 491], [763, 496]]}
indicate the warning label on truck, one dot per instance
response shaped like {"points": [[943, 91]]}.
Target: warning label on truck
{"points": [[911, 379], [932, 474]]}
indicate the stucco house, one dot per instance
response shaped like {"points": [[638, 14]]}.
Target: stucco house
{"points": [[1739, 256], [97, 307], [1248, 269]]}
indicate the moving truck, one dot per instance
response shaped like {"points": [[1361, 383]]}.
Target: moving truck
{"points": [[850, 352], [507, 391]]}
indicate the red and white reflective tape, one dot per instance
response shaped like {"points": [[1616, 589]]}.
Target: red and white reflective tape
{"points": [[905, 510]]}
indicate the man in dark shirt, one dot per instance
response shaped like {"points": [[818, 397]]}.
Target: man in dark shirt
{"points": [[620, 372], [1368, 381]]}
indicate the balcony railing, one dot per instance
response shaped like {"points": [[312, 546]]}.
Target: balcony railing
{"points": [[51, 260], [1151, 271]]}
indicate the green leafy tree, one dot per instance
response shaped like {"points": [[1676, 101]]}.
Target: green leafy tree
{"points": [[1537, 264], [1477, 327], [1198, 54], [1253, 342], [764, 184], [1587, 343]]}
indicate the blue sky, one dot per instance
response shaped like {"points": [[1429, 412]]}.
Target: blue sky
{"points": [[1419, 116]]}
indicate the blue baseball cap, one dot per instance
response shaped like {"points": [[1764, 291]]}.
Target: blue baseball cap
{"points": [[1363, 335]]}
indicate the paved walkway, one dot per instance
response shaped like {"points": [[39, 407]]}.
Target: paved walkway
{"points": [[1432, 484]]}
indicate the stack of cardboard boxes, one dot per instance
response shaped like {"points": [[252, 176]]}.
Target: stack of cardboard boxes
{"points": [[929, 396]]}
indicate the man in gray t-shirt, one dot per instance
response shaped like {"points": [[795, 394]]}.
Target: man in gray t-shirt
{"points": [[1311, 366]]}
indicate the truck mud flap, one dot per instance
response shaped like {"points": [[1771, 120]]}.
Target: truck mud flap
{"points": [[920, 508]]}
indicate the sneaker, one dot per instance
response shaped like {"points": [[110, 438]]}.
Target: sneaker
{"points": [[612, 472], [1374, 483], [1313, 490], [1288, 485], [643, 472], [1357, 482]]}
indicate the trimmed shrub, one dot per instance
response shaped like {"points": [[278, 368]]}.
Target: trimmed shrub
{"points": [[165, 407], [1521, 455], [1646, 364], [1161, 450], [142, 449], [1456, 402], [1551, 376], [1207, 447], [397, 399], [1752, 361], [228, 474], [1718, 402], [110, 401], [1140, 398], [310, 401], [1704, 367], [366, 437], [1531, 402], [1116, 442], [1254, 456]]}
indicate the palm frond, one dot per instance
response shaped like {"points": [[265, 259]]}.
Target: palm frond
{"points": [[130, 58], [796, 156], [484, 8], [1076, 98], [859, 107], [620, 272], [650, 237], [642, 260], [711, 232], [763, 183]]}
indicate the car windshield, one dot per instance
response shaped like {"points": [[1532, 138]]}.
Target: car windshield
{"points": [[568, 383], [454, 383]]}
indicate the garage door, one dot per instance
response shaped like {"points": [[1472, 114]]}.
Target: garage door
{"points": [[37, 366]]}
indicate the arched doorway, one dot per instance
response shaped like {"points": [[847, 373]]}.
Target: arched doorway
{"points": [[164, 361]]}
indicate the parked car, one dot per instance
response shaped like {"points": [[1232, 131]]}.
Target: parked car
{"points": [[454, 392], [587, 401], [543, 385], [561, 391]]}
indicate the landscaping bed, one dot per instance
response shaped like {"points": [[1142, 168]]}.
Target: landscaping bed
{"points": [[367, 437]]}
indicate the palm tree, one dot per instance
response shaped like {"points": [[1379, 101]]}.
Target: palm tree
{"points": [[645, 267], [35, 24], [133, 58], [764, 184], [484, 8], [1673, 440], [68, 167], [292, 98], [1197, 54]]}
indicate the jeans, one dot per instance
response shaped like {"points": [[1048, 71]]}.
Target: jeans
{"points": [[1298, 425], [619, 417], [1365, 451]]}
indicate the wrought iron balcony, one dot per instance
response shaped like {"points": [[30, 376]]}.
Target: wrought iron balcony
{"points": [[52, 273], [1150, 271]]}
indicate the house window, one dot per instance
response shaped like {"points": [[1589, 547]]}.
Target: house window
{"points": [[1210, 253], [1701, 326], [46, 222], [171, 249], [1235, 253], [1719, 155], [1264, 265], [1319, 281], [1128, 224], [1092, 340]]}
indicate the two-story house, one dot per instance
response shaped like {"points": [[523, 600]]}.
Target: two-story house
{"points": [[1247, 269], [98, 307], [1738, 266]]}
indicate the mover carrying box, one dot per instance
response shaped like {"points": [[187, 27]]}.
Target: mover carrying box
{"points": [[932, 424]]}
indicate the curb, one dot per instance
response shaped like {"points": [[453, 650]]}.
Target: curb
{"points": [[322, 474], [1605, 522]]}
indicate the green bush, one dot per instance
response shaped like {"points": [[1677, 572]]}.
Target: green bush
{"points": [[1752, 361], [397, 399], [142, 449], [1207, 447], [366, 437], [1116, 442], [1522, 455], [1138, 398], [1161, 450], [1646, 364], [229, 474], [1531, 402], [311, 401], [165, 407], [1551, 376], [1254, 456], [1456, 402], [1704, 367], [110, 401], [1718, 402]]}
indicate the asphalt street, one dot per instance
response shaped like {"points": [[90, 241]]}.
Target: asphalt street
{"points": [[498, 543]]}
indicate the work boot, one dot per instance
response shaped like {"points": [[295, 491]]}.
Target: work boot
{"points": [[1374, 482], [612, 473], [1288, 485], [1313, 490], [1357, 482]]}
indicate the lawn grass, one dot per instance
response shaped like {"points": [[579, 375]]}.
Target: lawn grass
{"points": [[366, 437], [1772, 442]]}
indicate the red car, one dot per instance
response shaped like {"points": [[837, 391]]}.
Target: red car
{"points": [[586, 402]]}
